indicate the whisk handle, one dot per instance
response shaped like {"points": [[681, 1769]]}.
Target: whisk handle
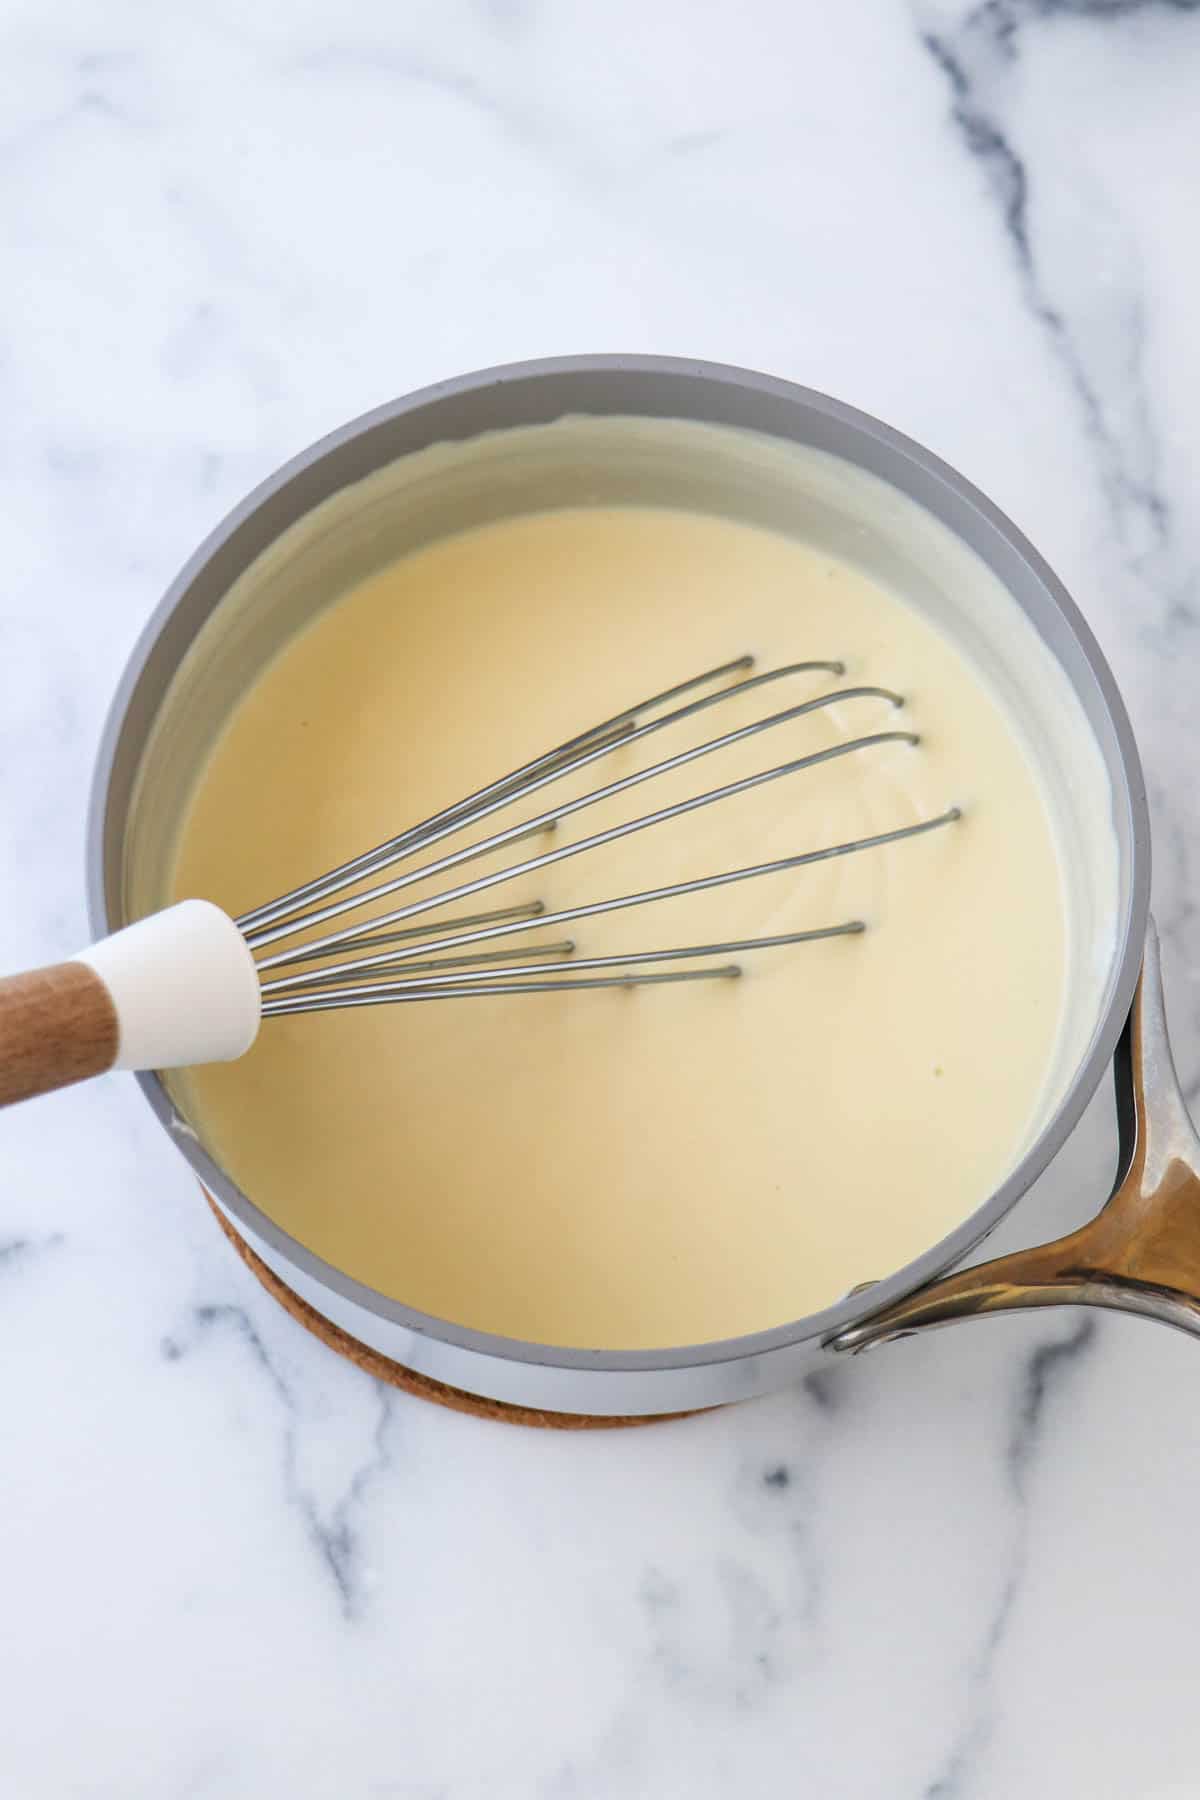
{"points": [[178, 987], [58, 1025]]}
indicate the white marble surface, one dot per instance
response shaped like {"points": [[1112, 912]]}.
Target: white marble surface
{"points": [[230, 1566]]}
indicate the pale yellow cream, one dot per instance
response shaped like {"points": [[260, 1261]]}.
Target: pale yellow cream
{"points": [[638, 1168]]}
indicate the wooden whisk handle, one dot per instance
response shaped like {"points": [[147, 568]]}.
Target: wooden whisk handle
{"points": [[58, 1025], [178, 987]]}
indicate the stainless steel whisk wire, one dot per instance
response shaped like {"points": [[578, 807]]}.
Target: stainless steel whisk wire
{"points": [[416, 966]]}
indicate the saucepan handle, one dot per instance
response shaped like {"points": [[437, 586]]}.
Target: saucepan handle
{"points": [[1140, 1254]]}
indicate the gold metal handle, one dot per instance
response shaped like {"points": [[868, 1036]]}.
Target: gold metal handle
{"points": [[1140, 1254]]}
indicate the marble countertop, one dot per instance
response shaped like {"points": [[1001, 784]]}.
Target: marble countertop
{"points": [[230, 1565]]}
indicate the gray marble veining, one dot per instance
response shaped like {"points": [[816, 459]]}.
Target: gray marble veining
{"points": [[231, 1564]]}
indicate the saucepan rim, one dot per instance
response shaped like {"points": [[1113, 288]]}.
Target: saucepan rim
{"points": [[928, 478]]}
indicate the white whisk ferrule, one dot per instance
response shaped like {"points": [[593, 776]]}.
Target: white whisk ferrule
{"points": [[183, 985]]}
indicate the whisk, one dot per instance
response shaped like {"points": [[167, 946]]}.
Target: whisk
{"points": [[190, 984]]}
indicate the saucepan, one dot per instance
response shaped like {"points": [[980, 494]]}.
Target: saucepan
{"points": [[1141, 1253]]}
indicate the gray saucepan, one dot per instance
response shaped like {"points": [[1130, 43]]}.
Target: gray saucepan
{"points": [[1142, 1251]]}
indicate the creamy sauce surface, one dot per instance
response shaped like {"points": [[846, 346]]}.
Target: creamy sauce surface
{"points": [[666, 1165]]}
